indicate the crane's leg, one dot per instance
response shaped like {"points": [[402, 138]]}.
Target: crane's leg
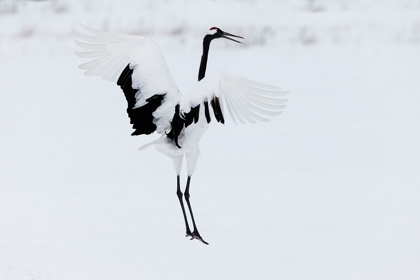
{"points": [[195, 233], [191, 163], [179, 194], [178, 164]]}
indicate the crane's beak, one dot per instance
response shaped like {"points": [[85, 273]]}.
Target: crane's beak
{"points": [[225, 35]]}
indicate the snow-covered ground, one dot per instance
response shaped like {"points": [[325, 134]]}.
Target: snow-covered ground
{"points": [[328, 190]]}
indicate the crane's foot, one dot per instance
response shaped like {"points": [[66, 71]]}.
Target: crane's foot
{"points": [[196, 235], [200, 238]]}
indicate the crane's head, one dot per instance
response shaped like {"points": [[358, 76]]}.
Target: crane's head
{"points": [[216, 33]]}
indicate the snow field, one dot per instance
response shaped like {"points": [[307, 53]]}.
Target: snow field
{"points": [[327, 190]]}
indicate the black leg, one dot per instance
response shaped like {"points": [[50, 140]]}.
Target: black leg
{"points": [[179, 194], [195, 234]]}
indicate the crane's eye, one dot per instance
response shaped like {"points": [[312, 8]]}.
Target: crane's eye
{"points": [[212, 31]]}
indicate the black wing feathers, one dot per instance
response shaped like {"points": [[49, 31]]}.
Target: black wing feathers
{"points": [[196, 113], [206, 111], [177, 125], [217, 110], [141, 118], [182, 120]]}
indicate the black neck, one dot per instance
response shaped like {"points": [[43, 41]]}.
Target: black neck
{"points": [[203, 64]]}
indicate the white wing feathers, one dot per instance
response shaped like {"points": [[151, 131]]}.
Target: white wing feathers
{"points": [[113, 52], [114, 56], [247, 101]]}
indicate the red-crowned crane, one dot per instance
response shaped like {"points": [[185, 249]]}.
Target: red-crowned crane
{"points": [[137, 65]]}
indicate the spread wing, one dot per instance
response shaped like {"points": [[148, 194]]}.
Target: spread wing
{"points": [[137, 65], [246, 101]]}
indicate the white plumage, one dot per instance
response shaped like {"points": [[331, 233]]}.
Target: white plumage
{"points": [[113, 52], [138, 66], [245, 100]]}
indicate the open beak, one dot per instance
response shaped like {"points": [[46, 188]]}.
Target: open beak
{"points": [[225, 35]]}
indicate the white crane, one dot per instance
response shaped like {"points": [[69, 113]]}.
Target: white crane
{"points": [[137, 65]]}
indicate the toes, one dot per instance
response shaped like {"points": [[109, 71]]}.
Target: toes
{"points": [[198, 237], [195, 235]]}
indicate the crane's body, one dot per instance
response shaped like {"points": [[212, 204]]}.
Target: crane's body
{"points": [[155, 104]]}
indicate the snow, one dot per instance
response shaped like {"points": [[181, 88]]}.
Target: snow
{"points": [[327, 190]]}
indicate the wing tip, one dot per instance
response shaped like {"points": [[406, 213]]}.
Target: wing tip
{"points": [[84, 26], [79, 54]]}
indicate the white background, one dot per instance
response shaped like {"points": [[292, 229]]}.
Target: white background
{"points": [[328, 190]]}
